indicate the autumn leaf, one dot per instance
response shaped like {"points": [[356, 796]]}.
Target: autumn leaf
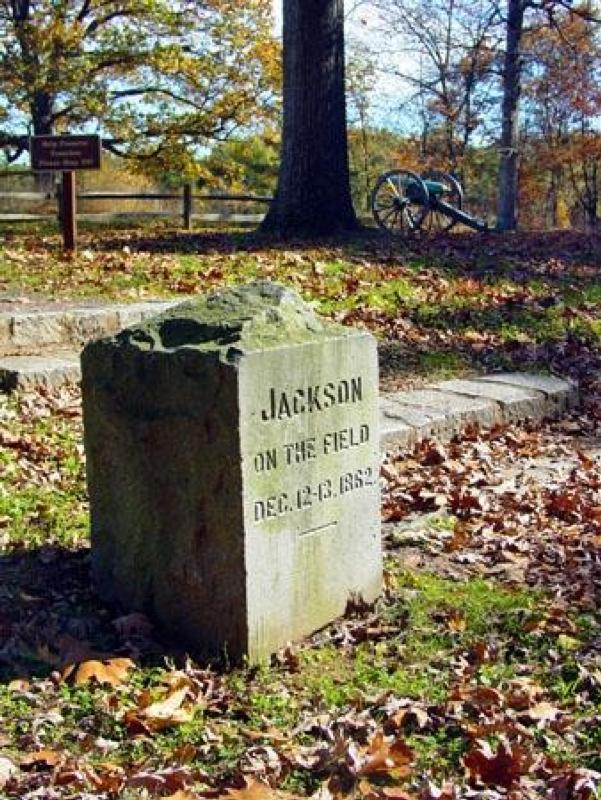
{"points": [[370, 792], [169, 779], [161, 714], [113, 672], [540, 714], [456, 621], [432, 792], [181, 794], [501, 768], [523, 693], [18, 685], [256, 790], [382, 758], [42, 758]]}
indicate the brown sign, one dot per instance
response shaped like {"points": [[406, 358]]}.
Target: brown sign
{"points": [[64, 153]]}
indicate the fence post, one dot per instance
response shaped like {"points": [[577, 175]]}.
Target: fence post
{"points": [[58, 193], [187, 210]]}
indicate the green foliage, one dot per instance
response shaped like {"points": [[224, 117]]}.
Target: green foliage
{"points": [[155, 76], [248, 164], [371, 152]]}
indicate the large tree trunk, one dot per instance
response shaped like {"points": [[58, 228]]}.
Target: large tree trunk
{"points": [[42, 108], [313, 195], [512, 79]]}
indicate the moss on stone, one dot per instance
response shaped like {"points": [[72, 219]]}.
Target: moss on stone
{"points": [[232, 321]]}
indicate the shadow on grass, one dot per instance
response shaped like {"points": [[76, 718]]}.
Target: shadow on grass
{"points": [[458, 251], [50, 616], [448, 352]]}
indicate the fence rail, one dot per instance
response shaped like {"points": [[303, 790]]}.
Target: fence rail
{"points": [[187, 197]]}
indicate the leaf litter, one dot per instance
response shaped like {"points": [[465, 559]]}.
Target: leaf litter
{"points": [[476, 675]]}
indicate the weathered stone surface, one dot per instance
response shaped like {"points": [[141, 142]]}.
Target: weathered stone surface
{"points": [[71, 324], [560, 392], [233, 449], [29, 372], [516, 403], [458, 411], [403, 425]]}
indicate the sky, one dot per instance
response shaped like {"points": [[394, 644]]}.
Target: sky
{"points": [[389, 93]]}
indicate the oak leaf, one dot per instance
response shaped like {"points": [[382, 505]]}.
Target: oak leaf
{"points": [[501, 768]]}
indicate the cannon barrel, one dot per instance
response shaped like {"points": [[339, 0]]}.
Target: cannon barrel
{"points": [[457, 214]]}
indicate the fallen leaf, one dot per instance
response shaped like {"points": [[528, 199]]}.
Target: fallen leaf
{"points": [[170, 779], [162, 714], [384, 758], [41, 758], [540, 714], [18, 685], [501, 768], [256, 790], [113, 671]]}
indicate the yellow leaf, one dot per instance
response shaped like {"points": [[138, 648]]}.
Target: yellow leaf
{"points": [[113, 671], [45, 758]]}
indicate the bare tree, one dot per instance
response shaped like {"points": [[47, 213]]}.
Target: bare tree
{"points": [[447, 57]]}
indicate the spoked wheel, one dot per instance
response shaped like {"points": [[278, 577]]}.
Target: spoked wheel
{"points": [[452, 194], [399, 201]]}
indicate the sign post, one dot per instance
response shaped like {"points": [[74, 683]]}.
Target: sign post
{"points": [[66, 154], [69, 215]]}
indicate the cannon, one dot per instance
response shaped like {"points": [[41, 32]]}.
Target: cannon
{"points": [[404, 202]]}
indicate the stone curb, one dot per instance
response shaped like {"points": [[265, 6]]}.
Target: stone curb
{"points": [[443, 410], [32, 372], [71, 326]]}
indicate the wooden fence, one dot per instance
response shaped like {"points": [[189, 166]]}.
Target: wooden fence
{"points": [[186, 199]]}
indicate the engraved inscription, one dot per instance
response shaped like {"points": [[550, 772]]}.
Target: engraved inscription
{"points": [[308, 399], [310, 448], [291, 471], [308, 496]]}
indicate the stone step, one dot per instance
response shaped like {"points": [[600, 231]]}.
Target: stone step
{"points": [[440, 411], [33, 327], [32, 372]]}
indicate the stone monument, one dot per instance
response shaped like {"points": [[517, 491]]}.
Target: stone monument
{"points": [[233, 455]]}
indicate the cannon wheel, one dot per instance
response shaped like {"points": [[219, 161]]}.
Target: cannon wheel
{"points": [[437, 222], [399, 201]]}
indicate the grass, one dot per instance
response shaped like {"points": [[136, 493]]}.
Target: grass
{"points": [[423, 631], [431, 642], [446, 307]]}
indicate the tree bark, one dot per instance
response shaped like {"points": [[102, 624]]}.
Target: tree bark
{"points": [[42, 108], [507, 219], [313, 197]]}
